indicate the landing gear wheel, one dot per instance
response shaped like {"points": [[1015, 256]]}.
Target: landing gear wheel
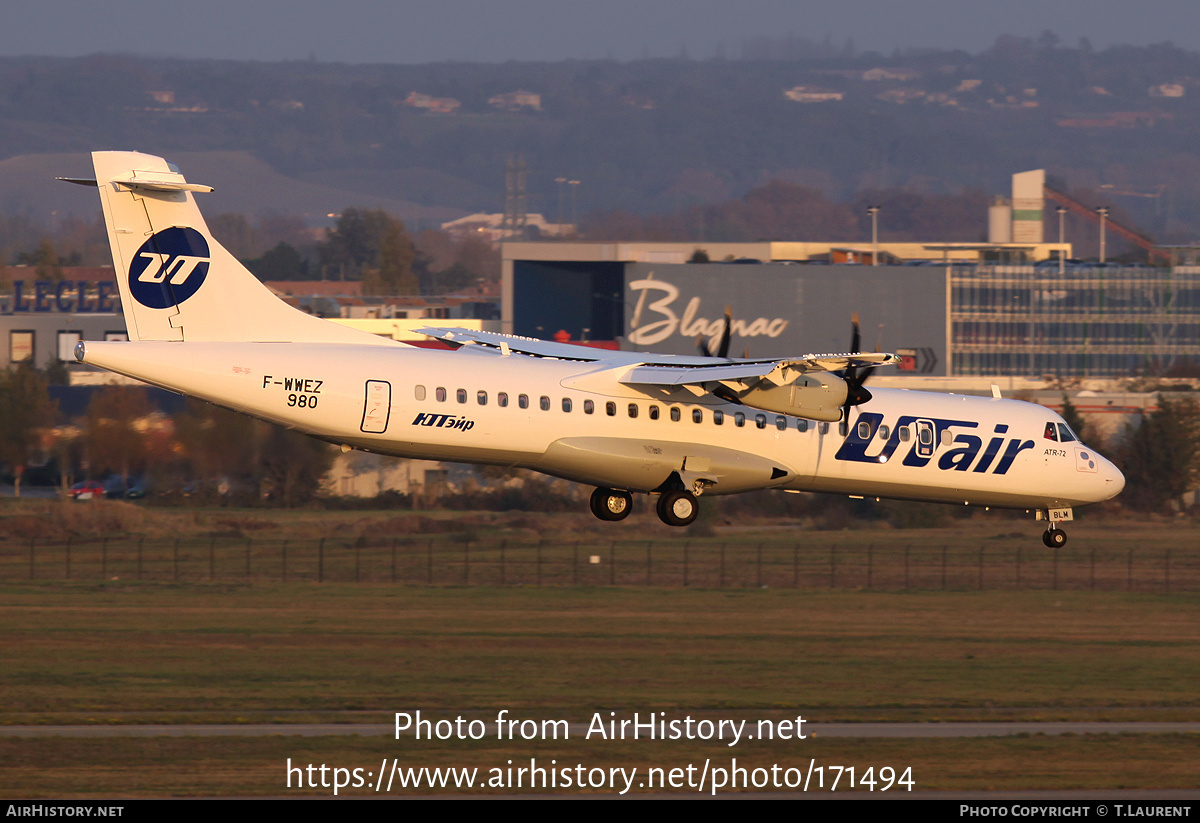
{"points": [[609, 504], [678, 508], [1054, 538]]}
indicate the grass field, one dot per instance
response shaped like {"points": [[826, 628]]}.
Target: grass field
{"points": [[237, 650]]}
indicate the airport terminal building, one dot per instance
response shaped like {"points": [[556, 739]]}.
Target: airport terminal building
{"points": [[962, 310]]}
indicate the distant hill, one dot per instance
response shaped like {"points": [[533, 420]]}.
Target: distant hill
{"points": [[428, 142]]}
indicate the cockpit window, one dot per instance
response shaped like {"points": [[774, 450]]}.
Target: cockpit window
{"points": [[1050, 432], [1065, 434]]}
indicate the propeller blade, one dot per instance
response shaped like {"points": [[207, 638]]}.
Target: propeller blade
{"points": [[723, 347]]}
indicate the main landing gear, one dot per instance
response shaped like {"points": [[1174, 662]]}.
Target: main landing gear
{"points": [[675, 508], [678, 508], [610, 504]]}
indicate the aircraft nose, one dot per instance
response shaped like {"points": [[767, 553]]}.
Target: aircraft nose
{"points": [[1114, 480]]}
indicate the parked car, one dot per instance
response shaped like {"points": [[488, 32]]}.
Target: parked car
{"points": [[87, 490]]}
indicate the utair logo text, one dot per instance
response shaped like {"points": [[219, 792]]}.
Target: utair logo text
{"points": [[967, 452], [169, 267]]}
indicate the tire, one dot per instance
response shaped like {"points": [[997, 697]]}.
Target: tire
{"points": [[1054, 538], [611, 505], [678, 508]]}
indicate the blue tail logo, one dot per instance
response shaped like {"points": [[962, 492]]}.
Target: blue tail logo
{"points": [[169, 268]]}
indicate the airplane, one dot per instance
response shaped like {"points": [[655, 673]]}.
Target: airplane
{"points": [[674, 427]]}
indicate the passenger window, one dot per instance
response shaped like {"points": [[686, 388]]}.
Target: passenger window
{"points": [[739, 419], [633, 409], [610, 408], [674, 414], [760, 420], [884, 432], [588, 407], [905, 434], [440, 394], [481, 398], [697, 415], [864, 430], [544, 402], [502, 399], [523, 401], [653, 412], [461, 394], [947, 437], [781, 423], [1050, 433], [566, 404], [718, 416], [419, 392]]}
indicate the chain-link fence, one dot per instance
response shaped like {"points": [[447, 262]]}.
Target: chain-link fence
{"points": [[899, 564]]}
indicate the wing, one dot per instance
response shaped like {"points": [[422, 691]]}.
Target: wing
{"points": [[805, 386], [663, 374]]}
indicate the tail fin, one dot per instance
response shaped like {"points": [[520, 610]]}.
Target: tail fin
{"points": [[176, 281]]}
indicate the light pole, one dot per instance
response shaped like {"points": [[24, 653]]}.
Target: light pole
{"points": [[874, 212], [1061, 252], [1103, 212], [574, 184]]}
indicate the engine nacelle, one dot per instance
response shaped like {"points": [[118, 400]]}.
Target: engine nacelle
{"points": [[816, 396]]}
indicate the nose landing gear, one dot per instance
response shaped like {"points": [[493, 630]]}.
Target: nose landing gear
{"points": [[1054, 538]]}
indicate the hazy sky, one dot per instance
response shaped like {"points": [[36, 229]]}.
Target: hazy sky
{"points": [[420, 31]]}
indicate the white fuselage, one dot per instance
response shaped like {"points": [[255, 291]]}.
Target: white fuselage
{"points": [[575, 420]]}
